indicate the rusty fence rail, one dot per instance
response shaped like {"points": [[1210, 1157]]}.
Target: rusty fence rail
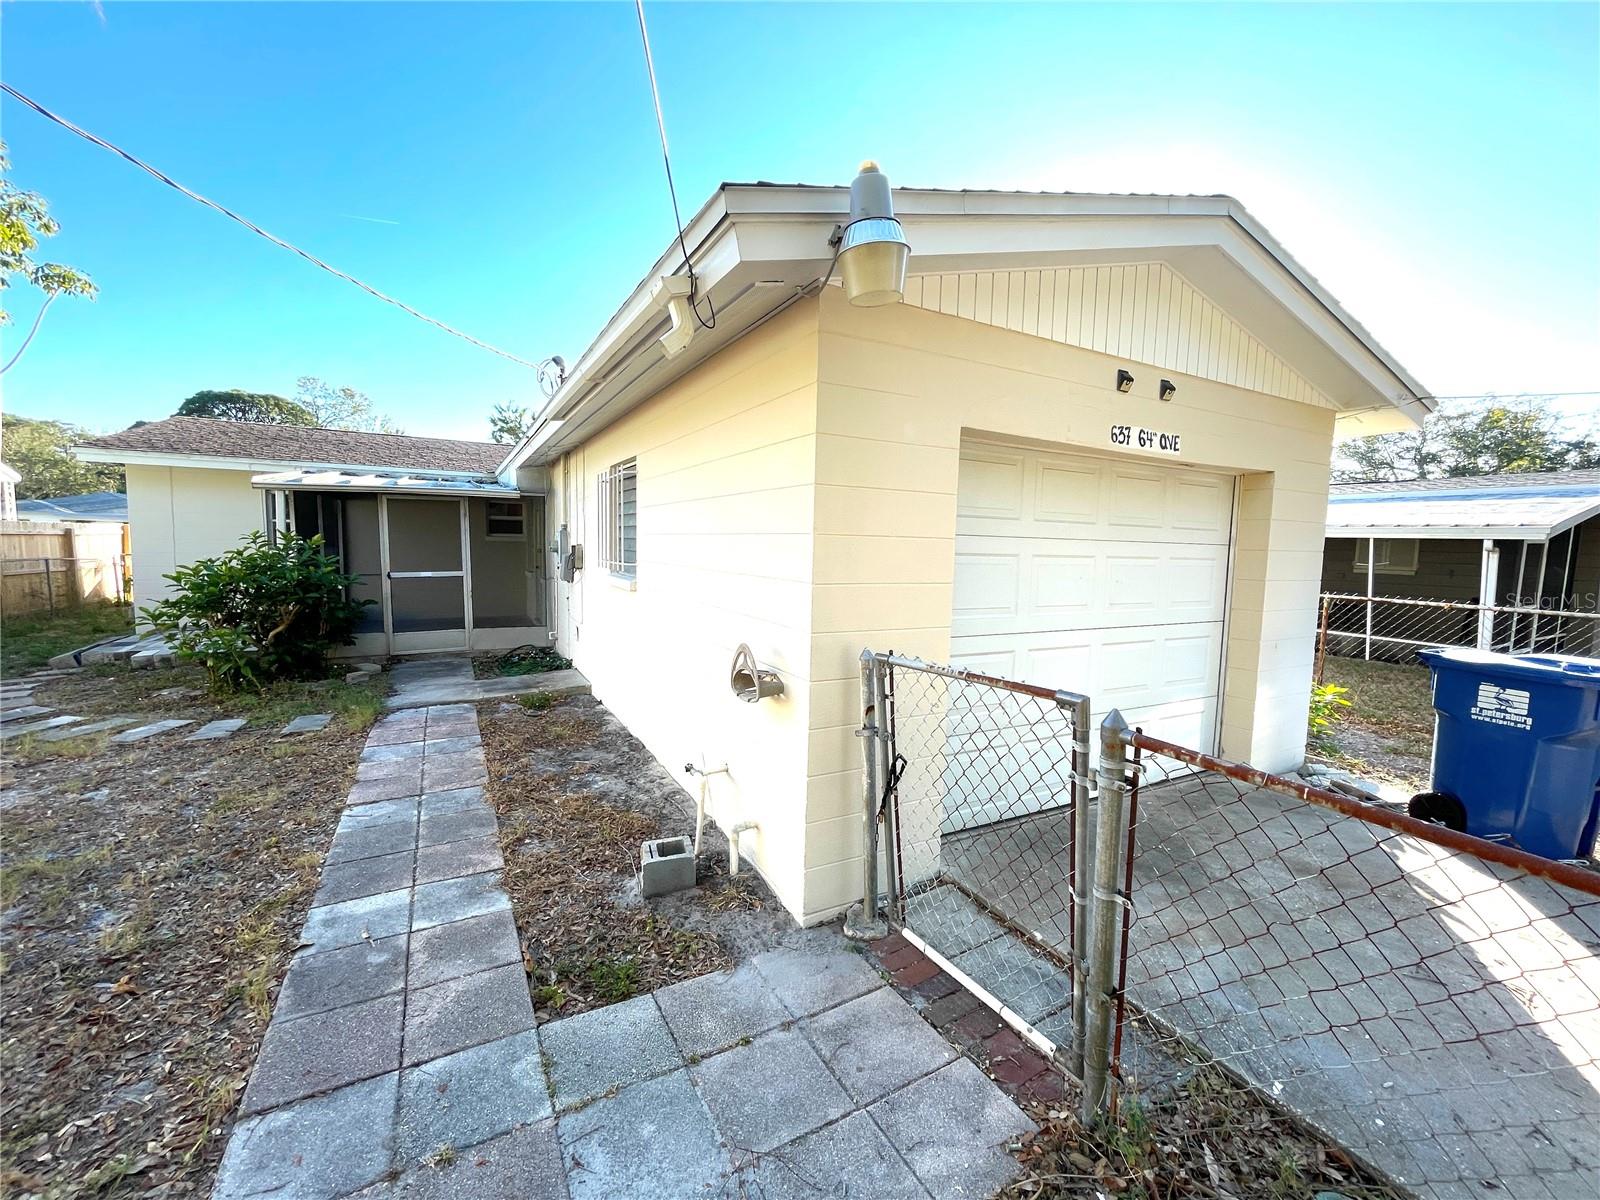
{"points": [[1427, 999]]}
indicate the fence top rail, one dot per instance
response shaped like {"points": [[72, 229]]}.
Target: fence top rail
{"points": [[1565, 873], [1463, 605], [1059, 696]]}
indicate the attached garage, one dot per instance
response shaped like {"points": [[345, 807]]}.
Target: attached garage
{"points": [[1102, 575]]}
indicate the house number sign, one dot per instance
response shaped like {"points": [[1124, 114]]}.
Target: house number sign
{"points": [[1137, 437]]}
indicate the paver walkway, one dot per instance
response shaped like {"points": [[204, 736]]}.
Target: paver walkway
{"points": [[429, 681], [403, 1058]]}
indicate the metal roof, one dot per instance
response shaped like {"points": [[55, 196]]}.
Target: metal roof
{"points": [[402, 484], [1534, 507], [91, 506]]}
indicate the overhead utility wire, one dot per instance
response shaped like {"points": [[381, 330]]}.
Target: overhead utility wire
{"points": [[672, 189], [254, 228], [1512, 396]]}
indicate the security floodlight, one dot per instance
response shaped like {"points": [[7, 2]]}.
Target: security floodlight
{"points": [[1168, 389], [1124, 380], [872, 246]]}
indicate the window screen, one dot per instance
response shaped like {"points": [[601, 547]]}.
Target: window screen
{"points": [[503, 519]]}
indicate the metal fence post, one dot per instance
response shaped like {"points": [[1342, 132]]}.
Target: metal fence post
{"points": [[1078, 706], [1113, 788], [863, 922]]}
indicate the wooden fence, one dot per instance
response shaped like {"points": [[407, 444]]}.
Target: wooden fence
{"points": [[51, 566]]}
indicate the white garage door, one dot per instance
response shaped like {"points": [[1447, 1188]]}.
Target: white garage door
{"points": [[1103, 575]]}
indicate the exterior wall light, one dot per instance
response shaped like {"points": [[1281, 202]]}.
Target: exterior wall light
{"points": [[1124, 380], [871, 247], [1168, 389]]}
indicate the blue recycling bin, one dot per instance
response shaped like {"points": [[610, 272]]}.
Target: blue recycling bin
{"points": [[1517, 746]]}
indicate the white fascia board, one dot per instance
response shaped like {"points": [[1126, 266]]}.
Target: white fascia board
{"points": [[217, 462], [1442, 533]]}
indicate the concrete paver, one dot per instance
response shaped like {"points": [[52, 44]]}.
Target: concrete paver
{"points": [[353, 878], [714, 1011], [471, 856], [154, 729], [468, 1097], [309, 723], [653, 1139], [737, 1086], [457, 899], [443, 952], [808, 982], [349, 975], [76, 731], [10, 731], [215, 730], [350, 921], [324, 1051], [524, 1164], [455, 826], [467, 1011], [952, 1128], [318, 1149], [848, 1158], [875, 1044], [593, 1052], [436, 804]]}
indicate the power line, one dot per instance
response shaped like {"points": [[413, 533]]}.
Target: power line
{"points": [[672, 189], [1513, 396], [256, 229]]}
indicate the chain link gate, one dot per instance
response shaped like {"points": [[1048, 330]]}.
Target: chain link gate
{"points": [[980, 786]]}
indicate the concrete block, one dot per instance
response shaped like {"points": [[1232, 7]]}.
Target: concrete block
{"points": [[952, 1127], [212, 730], [309, 723], [444, 952], [349, 975], [652, 1139], [10, 731], [738, 1086], [808, 981], [315, 1150], [593, 1052], [848, 1158], [666, 865], [876, 1043], [471, 1096], [76, 731], [465, 1012], [714, 1011], [149, 731], [324, 1051]]}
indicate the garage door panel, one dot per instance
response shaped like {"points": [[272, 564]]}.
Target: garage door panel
{"points": [[990, 486], [1202, 505], [1067, 494], [1006, 586]]}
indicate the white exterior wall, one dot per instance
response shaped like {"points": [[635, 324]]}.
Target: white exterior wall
{"points": [[726, 494], [179, 514], [897, 388]]}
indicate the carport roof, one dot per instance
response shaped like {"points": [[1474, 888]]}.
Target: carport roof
{"points": [[371, 481], [1532, 507]]}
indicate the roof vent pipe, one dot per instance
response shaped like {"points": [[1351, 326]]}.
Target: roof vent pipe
{"points": [[873, 250]]}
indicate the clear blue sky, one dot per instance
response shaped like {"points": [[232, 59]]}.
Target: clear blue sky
{"points": [[496, 165]]}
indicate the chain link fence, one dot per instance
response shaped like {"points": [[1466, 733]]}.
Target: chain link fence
{"points": [[1392, 629], [986, 783], [1176, 927], [1429, 1001]]}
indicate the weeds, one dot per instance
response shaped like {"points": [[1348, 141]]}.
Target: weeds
{"points": [[614, 980], [536, 701]]}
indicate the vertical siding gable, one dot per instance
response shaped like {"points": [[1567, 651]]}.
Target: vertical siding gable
{"points": [[1143, 311]]}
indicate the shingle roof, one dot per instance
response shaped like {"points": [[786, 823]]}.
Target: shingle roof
{"points": [[303, 445], [1530, 481]]}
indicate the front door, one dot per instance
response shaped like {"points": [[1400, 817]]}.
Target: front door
{"points": [[427, 580]]}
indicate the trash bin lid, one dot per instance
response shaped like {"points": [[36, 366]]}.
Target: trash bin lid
{"points": [[1556, 669]]}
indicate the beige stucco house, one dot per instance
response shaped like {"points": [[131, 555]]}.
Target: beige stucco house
{"points": [[1090, 449]]}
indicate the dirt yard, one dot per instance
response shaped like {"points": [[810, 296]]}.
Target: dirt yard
{"points": [[152, 894], [1387, 732], [576, 793]]}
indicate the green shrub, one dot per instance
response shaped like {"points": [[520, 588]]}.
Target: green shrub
{"points": [[1328, 702], [272, 609]]}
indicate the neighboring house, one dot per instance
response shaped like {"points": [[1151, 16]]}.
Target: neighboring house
{"points": [[9, 478], [968, 476], [449, 553], [111, 507], [1513, 541]]}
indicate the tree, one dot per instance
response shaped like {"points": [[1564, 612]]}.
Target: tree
{"points": [[340, 408], [235, 405], [24, 219], [1502, 437], [41, 452], [509, 423]]}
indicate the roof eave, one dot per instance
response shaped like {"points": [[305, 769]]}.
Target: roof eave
{"points": [[219, 462]]}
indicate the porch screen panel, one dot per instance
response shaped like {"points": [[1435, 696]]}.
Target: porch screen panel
{"points": [[424, 535], [363, 559], [422, 605]]}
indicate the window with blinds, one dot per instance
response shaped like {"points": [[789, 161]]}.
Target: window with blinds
{"points": [[618, 501]]}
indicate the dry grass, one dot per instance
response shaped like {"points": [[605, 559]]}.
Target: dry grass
{"points": [[569, 859], [1391, 700], [152, 895]]}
